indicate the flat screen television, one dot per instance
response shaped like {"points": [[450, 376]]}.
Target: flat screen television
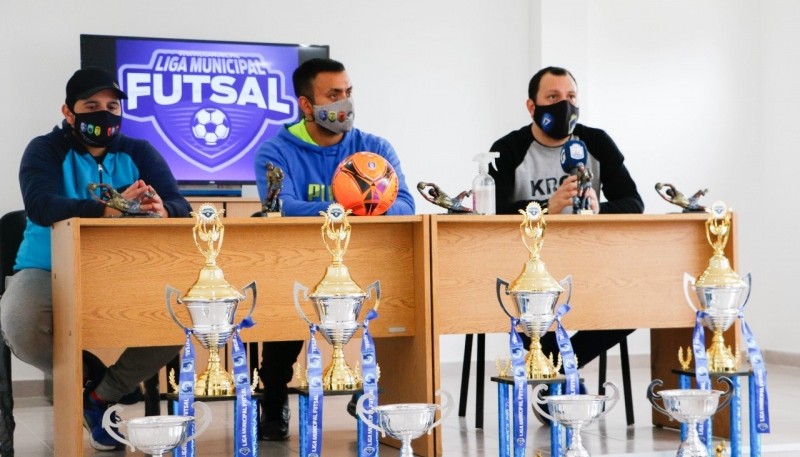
{"points": [[205, 105]]}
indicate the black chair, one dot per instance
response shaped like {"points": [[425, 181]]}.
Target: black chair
{"points": [[480, 378], [12, 229]]}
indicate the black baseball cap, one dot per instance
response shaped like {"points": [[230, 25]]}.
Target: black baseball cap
{"points": [[89, 81]]}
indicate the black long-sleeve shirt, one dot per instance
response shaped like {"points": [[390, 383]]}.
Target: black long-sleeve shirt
{"points": [[616, 183]]}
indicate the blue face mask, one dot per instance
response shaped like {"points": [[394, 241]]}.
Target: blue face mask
{"points": [[337, 116], [97, 128], [557, 120]]}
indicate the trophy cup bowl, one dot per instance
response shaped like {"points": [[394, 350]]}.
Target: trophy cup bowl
{"points": [[337, 312], [155, 435], [536, 311], [212, 321], [720, 303], [338, 316], [404, 421], [574, 412], [720, 298], [690, 406], [212, 315]]}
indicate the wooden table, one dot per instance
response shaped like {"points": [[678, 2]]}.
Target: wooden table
{"points": [[627, 272], [108, 292], [437, 275]]}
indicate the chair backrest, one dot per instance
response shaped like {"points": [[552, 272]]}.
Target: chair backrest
{"points": [[12, 229]]}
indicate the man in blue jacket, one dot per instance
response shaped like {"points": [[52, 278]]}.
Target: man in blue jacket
{"points": [[55, 171], [309, 152]]}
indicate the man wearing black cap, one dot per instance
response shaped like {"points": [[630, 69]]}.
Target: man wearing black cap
{"points": [[55, 171]]}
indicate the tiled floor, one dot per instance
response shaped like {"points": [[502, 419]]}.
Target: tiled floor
{"points": [[609, 437]]}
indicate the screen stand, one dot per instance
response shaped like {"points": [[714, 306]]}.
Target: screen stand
{"points": [[210, 190]]}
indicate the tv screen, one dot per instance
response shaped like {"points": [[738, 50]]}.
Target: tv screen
{"points": [[205, 105]]}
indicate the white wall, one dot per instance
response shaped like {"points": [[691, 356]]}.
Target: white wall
{"points": [[435, 78], [772, 249], [694, 93]]}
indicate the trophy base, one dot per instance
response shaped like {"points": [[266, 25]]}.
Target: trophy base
{"points": [[537, 366], [215, 383], [720, 357], [339, 377]]}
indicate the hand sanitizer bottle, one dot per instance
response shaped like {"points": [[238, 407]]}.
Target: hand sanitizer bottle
{"points": [[483, 184]]}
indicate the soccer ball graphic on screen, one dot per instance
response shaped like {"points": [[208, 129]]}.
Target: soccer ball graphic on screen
{"points": [[210, 126]]}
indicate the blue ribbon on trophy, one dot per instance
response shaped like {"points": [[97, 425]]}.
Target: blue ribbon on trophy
{"points": [[313, 436], [699, 350], [245, 419], [759, 375], [368, 436], [520, 390], [567, 353], [186, 393]]}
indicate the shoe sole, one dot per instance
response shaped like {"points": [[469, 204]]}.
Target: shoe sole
{"points": [[98, 446]]}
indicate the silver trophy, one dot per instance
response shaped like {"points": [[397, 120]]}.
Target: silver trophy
{"points": [[574, 412], [535, 294], [719, 291], [690, 407], [211, 303], [337, 300], [404, 421], [155, 435]]}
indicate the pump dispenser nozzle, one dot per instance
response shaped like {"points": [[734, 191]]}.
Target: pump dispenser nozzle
{"points": [[484, 159], [483, 184]]}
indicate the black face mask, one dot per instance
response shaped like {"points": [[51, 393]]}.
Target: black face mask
{"points": [[557, 120], [97, 128]]}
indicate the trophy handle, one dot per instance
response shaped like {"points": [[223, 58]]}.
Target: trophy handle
{"points": [[203, 425], [376, 286], [252, 287], [613, 397], [500, 297], [749, 280], [653, 396], [108, 424], [362, 412], [567, 281], [688, 281], [727, 394], [538, 400], [170, 291], [446, 407], [297, 288]]}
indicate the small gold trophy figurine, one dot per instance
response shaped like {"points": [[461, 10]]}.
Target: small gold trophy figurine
{"points": [[535, 294], [337, 300], [719, 290], [212, 303]]}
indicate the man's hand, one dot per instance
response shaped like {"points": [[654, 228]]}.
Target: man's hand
{"points": [[593, 202], [150, 200], [562, 198]]}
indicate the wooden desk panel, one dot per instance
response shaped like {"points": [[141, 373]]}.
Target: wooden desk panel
{"points": [[622, 267], [627, 272], [110, 274]]}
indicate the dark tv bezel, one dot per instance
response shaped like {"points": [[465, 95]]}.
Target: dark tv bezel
{"points": [[101, 51]]}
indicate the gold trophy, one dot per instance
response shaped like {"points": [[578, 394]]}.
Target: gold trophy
{"points": [[719, 290], [535, 294], [212, 304], [337, 300]]}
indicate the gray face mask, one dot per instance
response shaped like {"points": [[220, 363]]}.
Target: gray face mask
{"points": [[337, 116]]}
